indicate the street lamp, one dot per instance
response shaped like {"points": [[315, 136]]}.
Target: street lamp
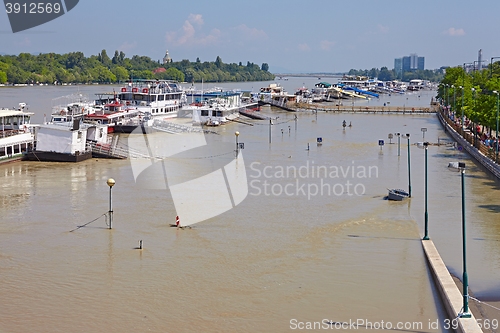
{"points": [[110, 183], [491, 65], [399, 143], [424, 145], [423, 129], [465, 278], [496, 139], [447, 92], [409, 175], [454, 97], [474, 114], [462, 110], [236, 134]]}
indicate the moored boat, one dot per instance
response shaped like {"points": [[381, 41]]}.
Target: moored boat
{"points": [[157, 98], [397, 194], [16, 135], [119, 117]]}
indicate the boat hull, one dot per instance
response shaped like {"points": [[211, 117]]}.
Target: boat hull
{"points": [[397, 195], [49, 156]]}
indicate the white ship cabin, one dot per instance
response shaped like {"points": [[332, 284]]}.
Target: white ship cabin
{"points": [[272, 89], [70, 107], [69, 138], [113, 113], [159, 98], [218, 110], [15, 132], [416, 84]]}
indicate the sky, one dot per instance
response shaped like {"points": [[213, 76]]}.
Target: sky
{"points": [[291, 36]]}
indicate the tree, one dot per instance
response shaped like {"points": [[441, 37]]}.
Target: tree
{"points": [[218, 62], [116, 58], [120, 72], [265, 67], [104, 59], [3, 77], [386, 75]]}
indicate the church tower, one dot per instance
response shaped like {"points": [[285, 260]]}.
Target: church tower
{"points": [[166, 58]]}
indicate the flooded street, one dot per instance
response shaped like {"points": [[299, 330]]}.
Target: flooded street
{"points": [[314, 238]]}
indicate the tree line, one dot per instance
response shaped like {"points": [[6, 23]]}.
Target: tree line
{"points": [[473, 93], [74, 67], [385, 74]]}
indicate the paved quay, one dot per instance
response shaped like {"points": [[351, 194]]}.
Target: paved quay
{"points": [[448, 290]]}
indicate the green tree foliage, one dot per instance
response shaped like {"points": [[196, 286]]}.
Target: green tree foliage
{"points": [[478, 105], [74, 67], [3, 77]]}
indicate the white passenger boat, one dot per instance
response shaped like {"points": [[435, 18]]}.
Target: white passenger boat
{"points": [[226, 106], [16, 135], [154, 98]]}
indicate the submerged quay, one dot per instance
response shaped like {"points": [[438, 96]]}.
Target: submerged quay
{"points": [[296, 107]]}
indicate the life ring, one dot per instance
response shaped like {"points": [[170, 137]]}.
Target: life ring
{"points": [[61, 113], [124, 89], [98, 121], [145, 90], [135, 90], [128, 102]]}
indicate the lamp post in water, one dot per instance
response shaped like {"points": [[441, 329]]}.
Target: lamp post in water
{"points": [[465, 313], [409, 164], [399, 143], [424, 145], [110, 183], [236, 134]]}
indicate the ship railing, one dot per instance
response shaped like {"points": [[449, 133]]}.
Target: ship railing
{"points": [[170, 127]]}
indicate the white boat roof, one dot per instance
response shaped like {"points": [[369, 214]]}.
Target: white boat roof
{"points": [[13, 112]]}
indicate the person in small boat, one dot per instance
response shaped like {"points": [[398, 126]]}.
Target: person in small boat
{"points": [[344, 124], [178, 222]]}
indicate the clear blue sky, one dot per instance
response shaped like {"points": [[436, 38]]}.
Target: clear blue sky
{"points": [[291, 36]]}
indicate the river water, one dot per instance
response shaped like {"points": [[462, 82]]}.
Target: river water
{"points": [[303, 246]]}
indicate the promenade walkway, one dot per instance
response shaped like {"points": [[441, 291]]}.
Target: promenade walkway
{"points": [[476, 148]]}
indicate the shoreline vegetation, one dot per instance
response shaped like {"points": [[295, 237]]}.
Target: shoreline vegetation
{"points": [[75, 68]]}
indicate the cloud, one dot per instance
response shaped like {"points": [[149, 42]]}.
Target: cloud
{"points": [[25, 42], [189, 35], [196, 18], [251, 33], [126, 46], [382, 29], [454, 32], [326, 44], [304, 47]]}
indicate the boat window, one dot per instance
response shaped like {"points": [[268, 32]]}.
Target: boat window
{"points": [[161, 97], [138, 97], [152, 98], [204, 113], [218, 113]]}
